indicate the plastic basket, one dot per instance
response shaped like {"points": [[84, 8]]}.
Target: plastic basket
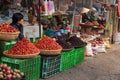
{"points": [[31, 66], [79, 55], [67, 60], [50, 66]]}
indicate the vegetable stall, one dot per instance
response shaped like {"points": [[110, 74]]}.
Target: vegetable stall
{"points": [[48, 46]]}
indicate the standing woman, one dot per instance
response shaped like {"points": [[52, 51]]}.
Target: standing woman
{"points": [[17, 22]]}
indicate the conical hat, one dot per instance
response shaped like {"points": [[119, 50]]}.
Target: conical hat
{"points": [[85, 10]]}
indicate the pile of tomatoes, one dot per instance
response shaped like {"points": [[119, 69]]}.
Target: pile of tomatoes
{"points": [[7, 28], [47, 43], [23, 47]]}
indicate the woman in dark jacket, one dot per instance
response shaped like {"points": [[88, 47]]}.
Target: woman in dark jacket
{"points": [[17, 22]]}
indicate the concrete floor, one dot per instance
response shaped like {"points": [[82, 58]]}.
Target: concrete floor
{"points": [[104, 66]]}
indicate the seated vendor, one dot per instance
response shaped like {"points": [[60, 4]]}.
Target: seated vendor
{"points": [[46, 30], [17, 22], [85, 18]]}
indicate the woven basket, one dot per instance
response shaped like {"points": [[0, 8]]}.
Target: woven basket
{"points": [[20, 56], [86, 25], [8, 35], [50, 52]]}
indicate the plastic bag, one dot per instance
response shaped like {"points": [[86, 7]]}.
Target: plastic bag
{"points": [[108, 46], [101, 49], [89, 51], [95, 49]]}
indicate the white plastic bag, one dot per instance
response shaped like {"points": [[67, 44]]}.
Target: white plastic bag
{"points": [[89, 51], [101, 48], [95, 49]]}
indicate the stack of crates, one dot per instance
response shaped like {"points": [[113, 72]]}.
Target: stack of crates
{"points": [[67, 60], [79, 55], [5, 45], [50, 65], [31, 66], [71, 58]]}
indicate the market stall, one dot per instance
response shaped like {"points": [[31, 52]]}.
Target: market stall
{"points": [[94, 25], [48, 46], [36, 56]]}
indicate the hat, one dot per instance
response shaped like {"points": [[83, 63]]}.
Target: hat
{"points": [[85, 10]]}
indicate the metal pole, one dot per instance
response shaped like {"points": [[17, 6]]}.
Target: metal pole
{"points": [[73, 17], [40, 35]]}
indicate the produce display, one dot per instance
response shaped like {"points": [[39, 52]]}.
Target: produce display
{"points": [[23, 47], [62, 37], [95, 23], [6, 73], [76, 42], [64, 44], [97, 41], [7, 28], [47, 43], [101, 26], [89, 23]]}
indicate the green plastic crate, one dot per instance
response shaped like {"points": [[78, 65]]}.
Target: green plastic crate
{"points": [[79, 55], [31, 66], [50, 65], [5, 45], [67, 60], [33, 39]]}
